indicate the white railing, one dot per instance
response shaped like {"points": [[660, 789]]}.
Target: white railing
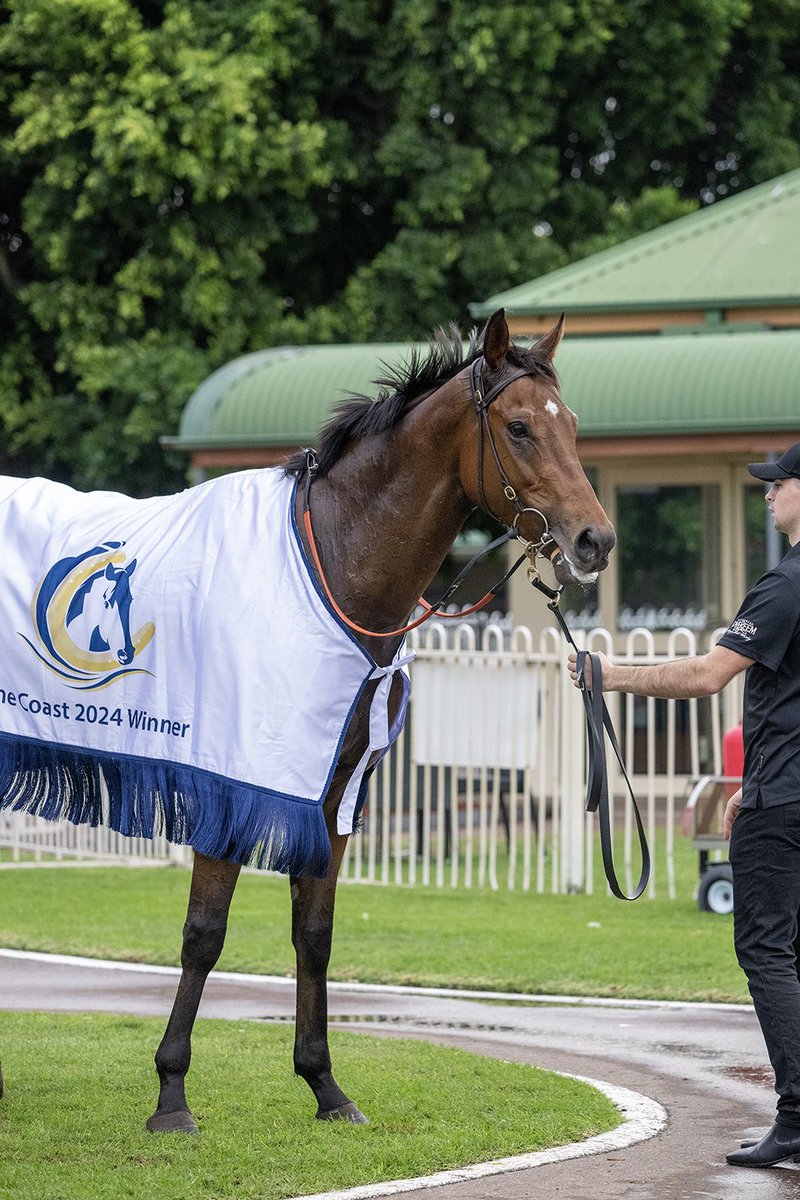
{"points": [[32, 840], [486, 784]]}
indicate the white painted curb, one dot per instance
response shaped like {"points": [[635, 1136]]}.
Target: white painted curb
{"points": [[644, 1118], [387, 989]]}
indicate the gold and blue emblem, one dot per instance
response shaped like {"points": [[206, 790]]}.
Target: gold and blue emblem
{"points": [[81, 616]]}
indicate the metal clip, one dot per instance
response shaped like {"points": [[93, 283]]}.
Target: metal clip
{"points": [[545, 532], [312, 466]]}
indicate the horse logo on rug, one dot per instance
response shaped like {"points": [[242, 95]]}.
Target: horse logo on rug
{"points": [[81, 616]]}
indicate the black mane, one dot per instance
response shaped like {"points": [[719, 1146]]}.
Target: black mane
{"points": [[359, 416]]}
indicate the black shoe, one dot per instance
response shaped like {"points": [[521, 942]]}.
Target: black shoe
{"points": [[754, 1142], [779, 1145]]}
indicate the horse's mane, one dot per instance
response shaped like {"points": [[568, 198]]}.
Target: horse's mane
{"points": [[359, 416]]}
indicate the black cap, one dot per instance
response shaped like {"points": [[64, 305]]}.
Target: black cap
{"points": [[787, 466]]}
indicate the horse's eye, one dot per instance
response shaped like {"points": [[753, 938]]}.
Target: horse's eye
{"points": [[518, 430]]}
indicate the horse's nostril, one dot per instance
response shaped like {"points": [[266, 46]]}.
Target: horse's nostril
{"points": [[591, 545]]}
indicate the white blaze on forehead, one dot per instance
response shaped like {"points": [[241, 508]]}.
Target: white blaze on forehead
{"points": [[552, 407]]}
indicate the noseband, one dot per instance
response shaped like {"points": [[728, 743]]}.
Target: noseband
{"points": [[481, 401]]}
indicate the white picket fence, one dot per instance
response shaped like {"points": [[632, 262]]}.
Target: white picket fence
{"points": [[486, 784]]}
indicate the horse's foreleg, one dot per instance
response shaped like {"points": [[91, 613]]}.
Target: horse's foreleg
{"points": [[213, 883], [312, 931]]}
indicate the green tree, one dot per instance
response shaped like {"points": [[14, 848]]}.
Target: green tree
{"points": [[159, 163], [183, 182], [521, 139]]}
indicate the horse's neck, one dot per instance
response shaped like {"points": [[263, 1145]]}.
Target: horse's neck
{"points": [[385, 517]]}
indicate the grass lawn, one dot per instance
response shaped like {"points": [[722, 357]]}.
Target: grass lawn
{"points": [[79, 1089], [506, 941]]}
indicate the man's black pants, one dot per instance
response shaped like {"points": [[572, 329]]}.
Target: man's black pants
{"points": [[765, 856]]}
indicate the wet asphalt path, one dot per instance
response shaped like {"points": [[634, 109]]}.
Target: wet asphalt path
{"points": [[705, 1064]]}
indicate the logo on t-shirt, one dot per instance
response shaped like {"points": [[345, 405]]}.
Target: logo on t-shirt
{"points": [[744, 629]]}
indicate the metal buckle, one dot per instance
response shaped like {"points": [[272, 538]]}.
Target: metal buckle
{"points": [[532, 548]]}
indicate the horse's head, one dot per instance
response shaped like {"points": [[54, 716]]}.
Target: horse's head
{"points": [[117, 611], [521, 462]]}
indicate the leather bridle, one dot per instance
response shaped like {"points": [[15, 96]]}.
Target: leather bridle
{"points": [[481, 401]]}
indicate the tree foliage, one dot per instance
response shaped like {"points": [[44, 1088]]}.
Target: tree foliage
{"points": [[183, 182]]}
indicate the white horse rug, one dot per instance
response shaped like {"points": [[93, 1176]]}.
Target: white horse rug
{"points": [[170, 665]]}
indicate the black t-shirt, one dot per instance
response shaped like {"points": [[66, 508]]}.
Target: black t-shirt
{"points": [[767, 629]]}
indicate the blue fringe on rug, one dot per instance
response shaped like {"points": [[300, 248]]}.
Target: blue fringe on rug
{"points": [[140, 797]]}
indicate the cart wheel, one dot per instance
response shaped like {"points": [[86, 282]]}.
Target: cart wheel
{"points": [[715, 893]]}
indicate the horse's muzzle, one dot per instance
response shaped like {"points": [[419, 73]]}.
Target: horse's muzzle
{"points": [[587, 556], [593, 546]]}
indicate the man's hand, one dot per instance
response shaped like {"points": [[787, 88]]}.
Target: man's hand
{"points": [[605, 665], [731, 813]]}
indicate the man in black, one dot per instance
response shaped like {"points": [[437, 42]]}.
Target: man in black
{"points": [[763, 818]]}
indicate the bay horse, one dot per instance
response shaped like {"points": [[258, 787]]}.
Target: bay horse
{"points": [[369, 517], [393, 481]]}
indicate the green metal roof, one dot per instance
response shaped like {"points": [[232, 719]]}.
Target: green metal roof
{"points": [[735, 253], [678, 384], [279, 397], [619, 386]]}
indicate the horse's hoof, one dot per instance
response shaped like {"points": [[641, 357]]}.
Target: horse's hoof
{"points": [[345, 1112], [173, 1122]]}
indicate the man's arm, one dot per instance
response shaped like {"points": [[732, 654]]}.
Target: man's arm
{"points": [[679, 679]]}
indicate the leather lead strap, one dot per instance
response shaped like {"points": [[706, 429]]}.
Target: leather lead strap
{"points": [[599, 723], [598, 719]]}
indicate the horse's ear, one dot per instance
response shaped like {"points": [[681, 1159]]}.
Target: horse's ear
{"points": [[548, 344], [131, 567], [110, 572], [496, 339]]}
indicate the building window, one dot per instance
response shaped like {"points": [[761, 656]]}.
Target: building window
{"points": [[668, 548]]}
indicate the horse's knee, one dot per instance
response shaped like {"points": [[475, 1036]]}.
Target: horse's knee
{"points": [[313, 940], [203, 939]]}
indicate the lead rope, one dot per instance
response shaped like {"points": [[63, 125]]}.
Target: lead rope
{"points": [[598, 719]]}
